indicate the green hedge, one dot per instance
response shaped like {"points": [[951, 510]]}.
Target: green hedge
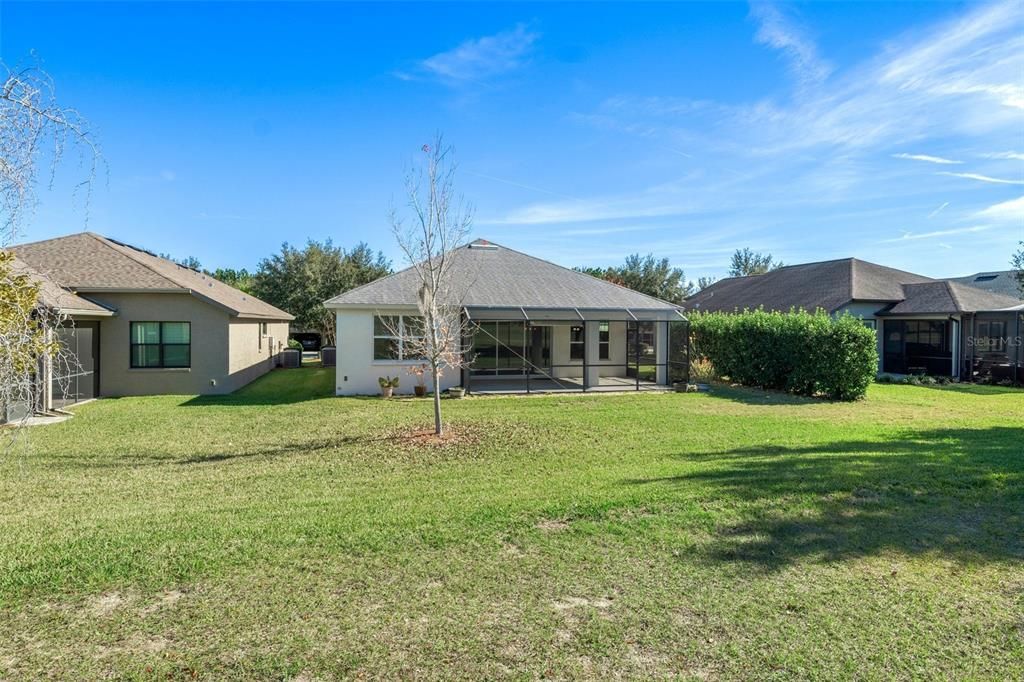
{"points": [[804, 353]]}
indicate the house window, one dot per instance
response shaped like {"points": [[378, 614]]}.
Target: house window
{"points": [[603, 341], [161, 344], [576, 343], [991, 337], [870, 324], [395, 337]]}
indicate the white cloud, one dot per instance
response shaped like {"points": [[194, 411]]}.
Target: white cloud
{"points": [[1013, 156], [1008, 211], [910, 236], [939, 210], [780, 33], [925, 157], [481, 58], [982, 178]]}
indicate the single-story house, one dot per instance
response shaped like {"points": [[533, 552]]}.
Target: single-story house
{"points": [[140, 324], [924, 325], [1003, 282], [531, 325]]}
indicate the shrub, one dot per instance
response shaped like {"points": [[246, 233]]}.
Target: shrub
{"points": [[292, 343], [702, 371], [803, 353]]}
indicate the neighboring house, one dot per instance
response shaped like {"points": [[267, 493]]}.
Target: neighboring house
{"points": [[141, 324], [924, 325], [1003, 282], [532, 326]]}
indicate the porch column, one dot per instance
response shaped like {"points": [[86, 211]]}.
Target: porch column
{"points": [[591, 354], [954, 337], [661, 352]]}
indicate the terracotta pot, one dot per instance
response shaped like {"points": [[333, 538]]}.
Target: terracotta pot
{"points": [[387, 391], [420, 391]]}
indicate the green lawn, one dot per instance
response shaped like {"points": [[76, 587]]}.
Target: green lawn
{"points": [[281, 532]]}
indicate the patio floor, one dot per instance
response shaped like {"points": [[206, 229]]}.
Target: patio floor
{"points": [[561, 385]]}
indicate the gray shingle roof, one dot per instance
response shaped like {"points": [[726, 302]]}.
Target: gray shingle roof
{"points": [[827, 285], [54, 296], [90, 262], [493, 276], [998, 282], [949, 298]]}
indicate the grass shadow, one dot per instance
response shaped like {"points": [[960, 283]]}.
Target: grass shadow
{"points": [[277, 387], [958, 492]]}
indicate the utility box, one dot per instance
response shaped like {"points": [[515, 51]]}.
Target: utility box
{"points": [[291, 358], [327, 356]]}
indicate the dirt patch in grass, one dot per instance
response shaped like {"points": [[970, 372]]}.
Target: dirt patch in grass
{"points": [[106, 604], [553, 525], [454, 435], [166, 600]]}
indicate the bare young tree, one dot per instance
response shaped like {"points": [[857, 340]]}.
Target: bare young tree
{"points": [[34, 129], [439, 222]]}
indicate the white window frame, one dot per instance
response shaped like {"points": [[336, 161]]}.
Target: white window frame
{"points": [[399, 340]]}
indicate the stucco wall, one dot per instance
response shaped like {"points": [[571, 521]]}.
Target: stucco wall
{"points": [[221, 361], [252, 353], [357, 372], [560, 341], [209, 332]]}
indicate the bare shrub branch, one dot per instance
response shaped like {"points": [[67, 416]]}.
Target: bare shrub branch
{"points": [[34, 129]]}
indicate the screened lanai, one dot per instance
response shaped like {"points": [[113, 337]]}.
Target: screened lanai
{"points": [[552, 350]]}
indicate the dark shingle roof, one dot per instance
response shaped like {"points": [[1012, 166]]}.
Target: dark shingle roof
{"points": [[91, 262], [949, 298], [827, 285], [998, 282], [492, 276], [52, 295]]}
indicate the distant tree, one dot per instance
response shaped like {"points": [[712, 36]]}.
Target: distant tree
{"points": [[187, 262], [746, 262], [1017, 261], [242, 280], [648, 276], [704, 282], [300, 280]]}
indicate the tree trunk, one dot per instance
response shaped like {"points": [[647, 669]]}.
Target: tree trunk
{"points": [[437, 403]]}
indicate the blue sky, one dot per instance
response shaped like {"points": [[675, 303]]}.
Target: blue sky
{"points": [[893, 132]]}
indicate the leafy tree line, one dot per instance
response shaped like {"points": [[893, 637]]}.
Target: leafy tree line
{"points": [[299, 280], [658, 278]]}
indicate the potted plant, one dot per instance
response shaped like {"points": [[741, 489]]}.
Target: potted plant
{"points": [[387, 385], [419, 371], [456, 392]]}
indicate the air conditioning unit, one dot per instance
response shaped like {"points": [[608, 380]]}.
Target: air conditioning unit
{"points": [[291, 358]]}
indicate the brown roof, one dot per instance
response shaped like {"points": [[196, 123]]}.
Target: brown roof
{"points": [[87, 262], [828, 285], [949, 297], [54, 296]]}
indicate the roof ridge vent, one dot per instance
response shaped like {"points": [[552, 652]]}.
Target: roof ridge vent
{"points": [[482, 244]]}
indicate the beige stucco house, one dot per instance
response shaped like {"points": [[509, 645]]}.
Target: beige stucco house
{"points": [[143, 325]]}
